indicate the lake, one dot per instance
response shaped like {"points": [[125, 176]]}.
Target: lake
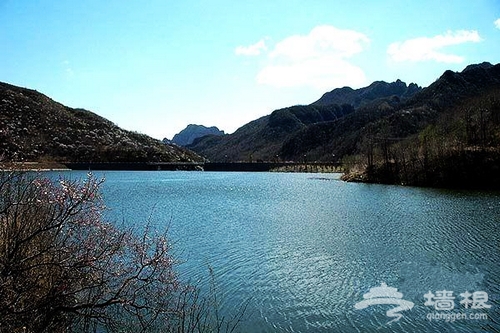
{"points": [[304, 250]]}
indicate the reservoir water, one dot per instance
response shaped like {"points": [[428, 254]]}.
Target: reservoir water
{"points": [[304, 250]]}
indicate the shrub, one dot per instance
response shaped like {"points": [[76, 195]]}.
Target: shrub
{"points": [[62, 268]]}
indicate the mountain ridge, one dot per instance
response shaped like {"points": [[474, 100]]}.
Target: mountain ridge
{"points": [[362, 96], [263, 138], [349, 136], [33, 127]]}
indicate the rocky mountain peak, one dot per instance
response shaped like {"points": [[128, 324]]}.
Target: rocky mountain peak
{"points": [[193, 132], [362, 96]]}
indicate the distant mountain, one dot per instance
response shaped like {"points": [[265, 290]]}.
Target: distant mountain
{"points": [[263, 139], [453, 86], [33, 127], [363, 96], [391, 118], [448, 135], [193, 132]]}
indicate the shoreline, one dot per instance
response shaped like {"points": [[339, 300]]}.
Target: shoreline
{"points": [[33, 166], [313, 167]]}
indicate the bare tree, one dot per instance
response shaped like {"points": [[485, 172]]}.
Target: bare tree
{"points": [[63, 268]]}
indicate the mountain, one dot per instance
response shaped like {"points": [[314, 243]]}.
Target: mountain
{"points": [[391, 118], [448, 135], [484, 65], [263, 139], [33, 127], [363, 96], [193, 132]]}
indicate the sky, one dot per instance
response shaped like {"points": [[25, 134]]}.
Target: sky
{"points": [[156, 66]]}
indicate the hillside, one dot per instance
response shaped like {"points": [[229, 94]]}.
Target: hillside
{"points": [[263, 139], [448, 135], [33, 127], [391, 118]]}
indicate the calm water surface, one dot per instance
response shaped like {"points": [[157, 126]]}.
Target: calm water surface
{"points": [[303, 249]]}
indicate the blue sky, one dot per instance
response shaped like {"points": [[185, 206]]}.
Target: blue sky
{"points": [[156, 66]]}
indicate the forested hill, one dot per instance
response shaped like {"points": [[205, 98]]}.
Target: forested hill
{"points": [[448, 135], [266, 137], [390, 117], [33, 127], [262, 139]]}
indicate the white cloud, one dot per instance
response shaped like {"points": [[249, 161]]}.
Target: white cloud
{"points": [[425, 48], [252, 50], [320, 41], [497, 23], [321, 73], [319, 59], [67, 68]]}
